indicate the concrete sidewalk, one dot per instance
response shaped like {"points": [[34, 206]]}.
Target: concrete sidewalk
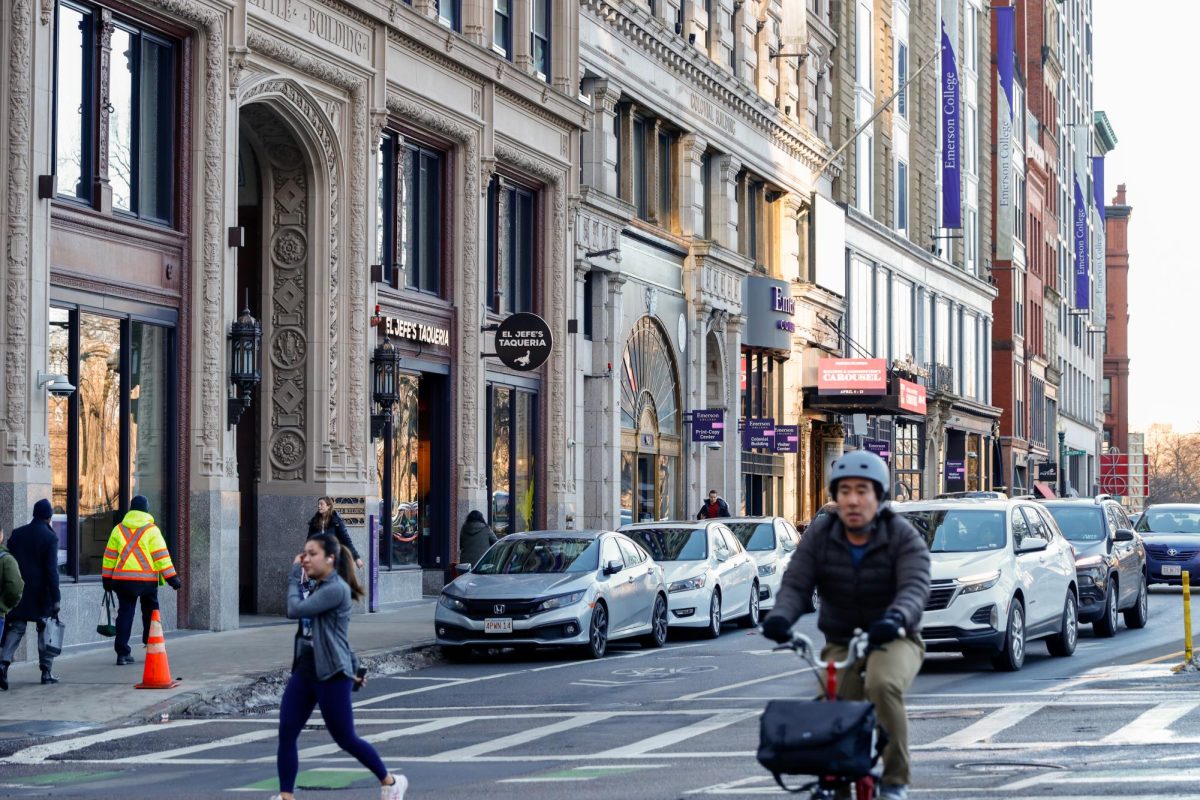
{"points": [[94, 691]]}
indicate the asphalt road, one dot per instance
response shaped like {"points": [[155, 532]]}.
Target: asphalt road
{"points": [[679, 722]]}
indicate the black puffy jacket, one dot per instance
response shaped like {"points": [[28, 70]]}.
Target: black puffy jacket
{"points": [[337, 528], [893, 575], [35, 547]]}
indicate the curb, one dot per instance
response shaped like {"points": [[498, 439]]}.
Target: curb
{"points": [[193, 703]]}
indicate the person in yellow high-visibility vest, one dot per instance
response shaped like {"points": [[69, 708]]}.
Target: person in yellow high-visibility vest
{"points": [[136, 561]]}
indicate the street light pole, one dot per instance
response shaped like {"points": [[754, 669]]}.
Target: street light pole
{"points": [[1062, 464]]}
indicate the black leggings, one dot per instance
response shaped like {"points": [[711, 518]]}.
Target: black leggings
{"points": [[333, 696]]}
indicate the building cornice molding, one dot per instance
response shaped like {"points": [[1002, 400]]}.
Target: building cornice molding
{"points": [[651, 37]]}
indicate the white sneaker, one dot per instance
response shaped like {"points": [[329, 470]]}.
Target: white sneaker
{"points": [[396, 790]]}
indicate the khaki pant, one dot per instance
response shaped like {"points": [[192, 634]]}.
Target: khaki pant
{"points": [[890, 671]]}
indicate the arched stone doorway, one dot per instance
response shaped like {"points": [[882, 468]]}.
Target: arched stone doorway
{"points": [[651, 427], [283, 202]]}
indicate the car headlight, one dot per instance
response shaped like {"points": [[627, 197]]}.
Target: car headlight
{"points": [[767, 569], [447, 600], [978, 583], [1089, 561], [561, 601], [689, 583]]}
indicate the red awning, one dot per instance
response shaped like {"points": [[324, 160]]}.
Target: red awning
{"points": [[1044, 490]]}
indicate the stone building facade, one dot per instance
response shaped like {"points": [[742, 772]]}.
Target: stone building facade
{"points": [[347, 171]]}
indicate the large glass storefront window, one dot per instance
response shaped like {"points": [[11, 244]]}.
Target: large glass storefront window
{"points": [[762, 398], [512, 471], [909, 461], [399, 547], [115, 436]]}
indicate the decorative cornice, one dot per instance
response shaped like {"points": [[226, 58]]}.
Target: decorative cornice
{"points": [[798, 142], [534, 110], [279, 50], [350, 12]]}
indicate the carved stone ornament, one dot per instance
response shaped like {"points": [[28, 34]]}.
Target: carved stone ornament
{"points": [[290, 247], [287, 450], [420, 113], [288, 348]]}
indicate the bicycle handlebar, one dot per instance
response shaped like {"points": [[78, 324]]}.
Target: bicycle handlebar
{"points": [[857, 648]]}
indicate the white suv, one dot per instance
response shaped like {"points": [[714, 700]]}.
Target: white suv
{"points": [[1003, 575]]}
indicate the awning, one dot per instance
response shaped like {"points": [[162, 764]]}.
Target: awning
{"points": [[1044, 490]]}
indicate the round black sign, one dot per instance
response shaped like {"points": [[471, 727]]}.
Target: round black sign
{"points": [[523, 341]]}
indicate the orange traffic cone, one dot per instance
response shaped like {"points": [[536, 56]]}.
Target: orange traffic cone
{"points": [[157, 674]]}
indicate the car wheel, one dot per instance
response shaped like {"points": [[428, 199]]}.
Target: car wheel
{"points": [[1106, 626], [1063, 643], [597, 632], [1012, 656], [658, 624], [1139, 614], [714, 616], [751, 618], [456, 653]]}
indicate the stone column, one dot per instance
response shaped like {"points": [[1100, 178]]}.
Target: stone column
{"points": [[474, 20], [690, 186], [732, 490], [791, 245], [657, 215], [602, 397], [701, 317], [625, 167], [600, 140], [426, 8], [521, 17], [724, 205]]}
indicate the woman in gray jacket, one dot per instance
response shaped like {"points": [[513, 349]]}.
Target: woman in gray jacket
{"points": [[323, 667]]}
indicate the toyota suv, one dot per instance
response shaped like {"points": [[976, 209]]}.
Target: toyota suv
{"points": [[1110, 561], [1003, 575]]}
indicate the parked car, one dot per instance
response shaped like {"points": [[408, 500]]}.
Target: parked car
{"points": [[770, 541], [1003, 575], [1171, 532], [1110, 562], [583, 588], [710, 576]]}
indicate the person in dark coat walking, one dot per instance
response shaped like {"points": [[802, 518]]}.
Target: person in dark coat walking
{"points": [[714, 507], [326, 520], [474, 538], [35, 547]]}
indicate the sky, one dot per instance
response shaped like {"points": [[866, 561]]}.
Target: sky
{"points": [[1144, 57]]}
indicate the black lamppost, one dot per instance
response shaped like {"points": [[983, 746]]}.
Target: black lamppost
{"points": [[245, 339], [385, 391], [1062, 464]]}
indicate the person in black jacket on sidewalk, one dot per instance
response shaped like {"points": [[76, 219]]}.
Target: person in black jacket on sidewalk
{"points": [[35, 547], [326, 520], [871, 568]]}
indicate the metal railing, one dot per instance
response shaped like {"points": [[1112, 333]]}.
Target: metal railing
{"points": [[941, 378]]}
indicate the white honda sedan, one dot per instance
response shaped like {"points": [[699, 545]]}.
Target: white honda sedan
{"points": [[770, 542], [710, 576]]}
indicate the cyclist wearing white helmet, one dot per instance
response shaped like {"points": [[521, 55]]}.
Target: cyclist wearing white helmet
{"points": [[871, 568]]}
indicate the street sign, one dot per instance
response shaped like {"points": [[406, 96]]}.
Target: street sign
{"points": [[1070, 452], [759, 433], [787, 438], [524, 341], [708, 425]]}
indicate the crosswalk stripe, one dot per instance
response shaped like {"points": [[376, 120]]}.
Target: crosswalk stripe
{"points": [[523, 737], [180, 752], [1152, 727], [719, 689], [994, 723], [375, 738], [713, 723]]}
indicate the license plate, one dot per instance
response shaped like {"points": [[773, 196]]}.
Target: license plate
{"points": [[1170, 570], [497, 625]]}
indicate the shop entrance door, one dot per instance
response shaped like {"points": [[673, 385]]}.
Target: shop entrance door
{"points": [[249, 281]]}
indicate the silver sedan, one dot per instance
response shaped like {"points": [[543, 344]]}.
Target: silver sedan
{"points": [[581, 588]]}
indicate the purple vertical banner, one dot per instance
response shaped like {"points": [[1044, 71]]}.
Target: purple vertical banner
{"points": [[1006, 204], [951, 122], [373, 563], [1098, 184], [1082, 251]]}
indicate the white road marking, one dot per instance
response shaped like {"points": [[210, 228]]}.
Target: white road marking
{"points": [[719, 689], [1152, 727], [616, 768], [714, 723], [1141, 776], [415, 730], [524, 737], [41, 752], [164, 756], [1000, 720]]}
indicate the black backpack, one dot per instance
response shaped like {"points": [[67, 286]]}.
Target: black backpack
{"points": [[820, 738]]}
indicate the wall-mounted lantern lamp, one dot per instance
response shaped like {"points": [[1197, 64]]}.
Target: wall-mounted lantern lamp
{"points": [[245, 338], [385, 387]]}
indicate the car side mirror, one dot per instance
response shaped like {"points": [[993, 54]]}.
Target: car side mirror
{"points": [[1125, 535], [1032, 544], [613, 567], [722, 555]]}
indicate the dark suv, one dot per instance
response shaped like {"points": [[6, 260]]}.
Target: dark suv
{"points": [[1110, 561]]}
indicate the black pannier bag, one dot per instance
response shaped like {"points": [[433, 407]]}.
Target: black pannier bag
{"points": [[818, 738]]}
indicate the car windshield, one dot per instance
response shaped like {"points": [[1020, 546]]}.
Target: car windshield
{"points": [[1080, 524], [1174, 520], [754, 535], [528, 556], [956, 531], [672, 544]]}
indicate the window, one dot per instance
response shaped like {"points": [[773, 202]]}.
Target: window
{"points": [[666, 173], [589, 298], [138, 128], [862, 54], [638, 165], [865, 168], [539, 38], [705, 194], [502, 27], [512, 437], [1019, 401], [450, 14], [901, 196], [409, 239], [901, 78], [115, 436], [512, 247], [1107, 389]]}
